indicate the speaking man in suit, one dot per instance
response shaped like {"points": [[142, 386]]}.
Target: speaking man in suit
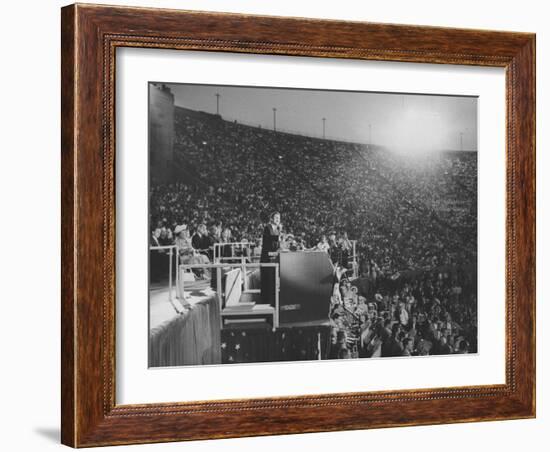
{"points": [[270, 247]]}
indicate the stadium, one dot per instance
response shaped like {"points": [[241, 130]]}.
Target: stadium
{"points": [[375, 254]]}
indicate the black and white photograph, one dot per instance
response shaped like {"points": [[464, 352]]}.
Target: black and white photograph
{"points": [[290, 224], [275, 226]]}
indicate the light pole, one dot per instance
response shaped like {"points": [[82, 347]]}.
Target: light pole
{"points": [[324, 121], [274, 119], [217, 103], [461, 135]]}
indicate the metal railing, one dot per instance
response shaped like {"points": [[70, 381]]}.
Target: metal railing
{"points": [[219, 267], [177, 284], [249, 246], [235, 246], [169, 249], [245, 260]]}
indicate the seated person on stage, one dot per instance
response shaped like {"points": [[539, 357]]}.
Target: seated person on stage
{"points": [[155, 238], [216, 233], [200, 241], [188, 253], [300, 244], [226, 251], [286, 242], [293, 243], [165, 238], [157, 257], [183, 244], [270, 247]]}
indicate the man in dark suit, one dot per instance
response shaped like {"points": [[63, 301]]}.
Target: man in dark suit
{"points": [[270, 247], [201, 244], [200, 240]]}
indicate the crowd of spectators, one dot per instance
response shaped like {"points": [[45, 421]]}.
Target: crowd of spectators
{"points": [[414, 222], [427, 313]]}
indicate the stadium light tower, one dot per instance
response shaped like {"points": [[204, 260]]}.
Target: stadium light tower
{"points": [[324, 121], [274, 119], [217, 103]]}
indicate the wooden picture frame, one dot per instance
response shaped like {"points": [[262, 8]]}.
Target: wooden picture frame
{"points": [[90, 36]]}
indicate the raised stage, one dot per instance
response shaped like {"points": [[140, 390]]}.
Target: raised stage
{"points": [[180, 336], [194, 336], [290, 342]]}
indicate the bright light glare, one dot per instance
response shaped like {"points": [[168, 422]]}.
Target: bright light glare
{"points": [[416, 131]]}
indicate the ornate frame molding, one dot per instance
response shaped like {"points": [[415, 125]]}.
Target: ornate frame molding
{"points": [[90, 37]]}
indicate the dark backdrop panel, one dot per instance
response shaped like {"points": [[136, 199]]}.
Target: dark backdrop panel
{"points": [[306, 286]]}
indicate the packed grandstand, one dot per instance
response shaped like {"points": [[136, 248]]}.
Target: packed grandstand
{"points": [[414, 221]]}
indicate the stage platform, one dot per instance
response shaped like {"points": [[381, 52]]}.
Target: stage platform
{"points": [[255, 343], [184, 335], [193, 335]]}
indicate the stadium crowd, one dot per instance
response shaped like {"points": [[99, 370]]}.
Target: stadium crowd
{"points": [[414, 223], [428, 313]]}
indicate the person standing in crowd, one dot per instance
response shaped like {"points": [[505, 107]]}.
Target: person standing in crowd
{"points": [[332, 239], [323, 244], [396, 345], [402, 315], [270, 247], [346, 249], [443, 347], [385, 335], [462, 347], [333, 248], [407, 347]]}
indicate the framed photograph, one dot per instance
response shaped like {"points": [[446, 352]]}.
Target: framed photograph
{"points": [[282, 225]]}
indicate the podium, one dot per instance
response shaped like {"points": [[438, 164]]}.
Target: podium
{"points": [[305, 287], [306, 279], [300, 329]]}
